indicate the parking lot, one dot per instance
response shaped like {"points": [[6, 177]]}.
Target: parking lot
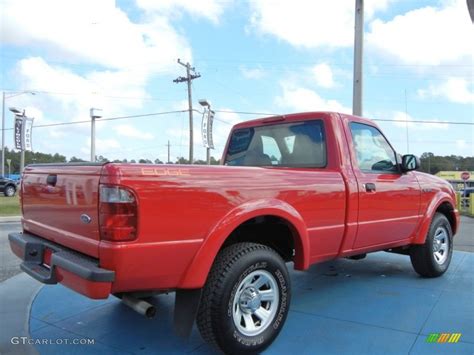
{"points": [[375, 305]]}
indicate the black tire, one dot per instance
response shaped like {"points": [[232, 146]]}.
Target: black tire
{"points": [[217, 311], [424, 258], [9, 191]]}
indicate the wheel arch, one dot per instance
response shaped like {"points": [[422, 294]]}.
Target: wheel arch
{"points": [[442, 204], [196, 273]]}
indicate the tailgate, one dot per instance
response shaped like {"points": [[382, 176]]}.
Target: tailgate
{"points": [[60, 203]]}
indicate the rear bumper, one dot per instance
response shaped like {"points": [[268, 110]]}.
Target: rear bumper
{"points": [[51, 263]]}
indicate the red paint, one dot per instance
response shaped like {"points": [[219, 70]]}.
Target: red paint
{"points": [[186, 212], [95, 290]]}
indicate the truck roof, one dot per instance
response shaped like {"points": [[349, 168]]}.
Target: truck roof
{"points": [[301, 116]]}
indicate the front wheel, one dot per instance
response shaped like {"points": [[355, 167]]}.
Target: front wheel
{"points": [[245, 300], [432, 259], [9, 191]]}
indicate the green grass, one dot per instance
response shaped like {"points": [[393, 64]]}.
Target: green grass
{"points": [[9, 206]]}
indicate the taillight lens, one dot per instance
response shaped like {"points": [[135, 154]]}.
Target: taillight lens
{"points": [[118, 214]]}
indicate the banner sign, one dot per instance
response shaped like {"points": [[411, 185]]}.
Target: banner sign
{"points": [[456, 175], [210, 141], [18, 138], [27, 134], [23, 133], [206, 129]]}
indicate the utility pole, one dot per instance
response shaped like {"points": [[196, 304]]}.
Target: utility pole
{"points": [[3, 137], [358, 58], [406, 122], [168, 161], [188, 79]]}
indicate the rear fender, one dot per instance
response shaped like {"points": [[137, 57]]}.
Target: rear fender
{"points": [[439, 198], [196, 274]]}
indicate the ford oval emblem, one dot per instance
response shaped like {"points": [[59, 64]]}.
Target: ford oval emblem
{"points": [[85, 219]]}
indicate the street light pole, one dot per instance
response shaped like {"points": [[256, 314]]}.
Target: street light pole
{"points": [[22, 161], [358, 59], [3, 133], [94, 114], [207, 108], [92, 138], [4, 97]]}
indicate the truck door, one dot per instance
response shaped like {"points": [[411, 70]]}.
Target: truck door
{"points": [[389, 200]]}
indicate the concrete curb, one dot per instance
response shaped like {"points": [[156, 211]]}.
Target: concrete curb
{"points": [[9, 219], [17, 295]]}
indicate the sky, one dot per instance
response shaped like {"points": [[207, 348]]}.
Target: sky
{"points": [[254, 56]]}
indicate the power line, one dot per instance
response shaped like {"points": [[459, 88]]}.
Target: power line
{"points": [[62, 93], [151, 98], [423, 121], [374, 119], [238, 112], [105, 119]]}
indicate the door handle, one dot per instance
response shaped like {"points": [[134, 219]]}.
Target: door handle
{"points": [[51, 180], [370, 187]]}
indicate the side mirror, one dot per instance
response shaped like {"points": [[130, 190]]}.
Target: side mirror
{"points": [[410, 162]]}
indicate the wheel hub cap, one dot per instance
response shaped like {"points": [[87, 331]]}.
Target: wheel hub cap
{"points": [[441, 245], [255, 303], [250, 300]]}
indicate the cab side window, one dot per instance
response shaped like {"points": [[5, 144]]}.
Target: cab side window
{"points": [[373, 152]]}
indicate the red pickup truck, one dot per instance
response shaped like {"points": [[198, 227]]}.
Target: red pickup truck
{"points": [[301, 188]]}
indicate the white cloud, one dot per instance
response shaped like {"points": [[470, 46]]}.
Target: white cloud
{"points": [[129, 131], [222, 126], [102, 146], [429, 35], [65, 96], [323, 75], [252, 73], [464, 147], [181, 105], [96, 32], [71, 95], [303, 99], [457, 90], [223, 122], [106, 144], [310, 23], [461, 143], [402, 120], [209, 9]]}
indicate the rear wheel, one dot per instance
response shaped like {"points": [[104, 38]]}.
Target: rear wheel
{"points": [[9, 191], [245, 300], [432, 259]]}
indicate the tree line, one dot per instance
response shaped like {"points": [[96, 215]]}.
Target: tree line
{"points": [[430, 163], [44, 158]]}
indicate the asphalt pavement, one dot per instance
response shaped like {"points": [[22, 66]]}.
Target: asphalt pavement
{"points": [[379, 286], [464, 239], [9, 263]]}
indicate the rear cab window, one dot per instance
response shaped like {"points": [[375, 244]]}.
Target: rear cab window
{"points": [[296, 144]]}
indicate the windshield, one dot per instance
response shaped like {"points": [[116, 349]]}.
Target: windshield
{"points": [[298, 144]]}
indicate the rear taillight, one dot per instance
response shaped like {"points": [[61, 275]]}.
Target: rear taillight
{"points": [[118, 214]]}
